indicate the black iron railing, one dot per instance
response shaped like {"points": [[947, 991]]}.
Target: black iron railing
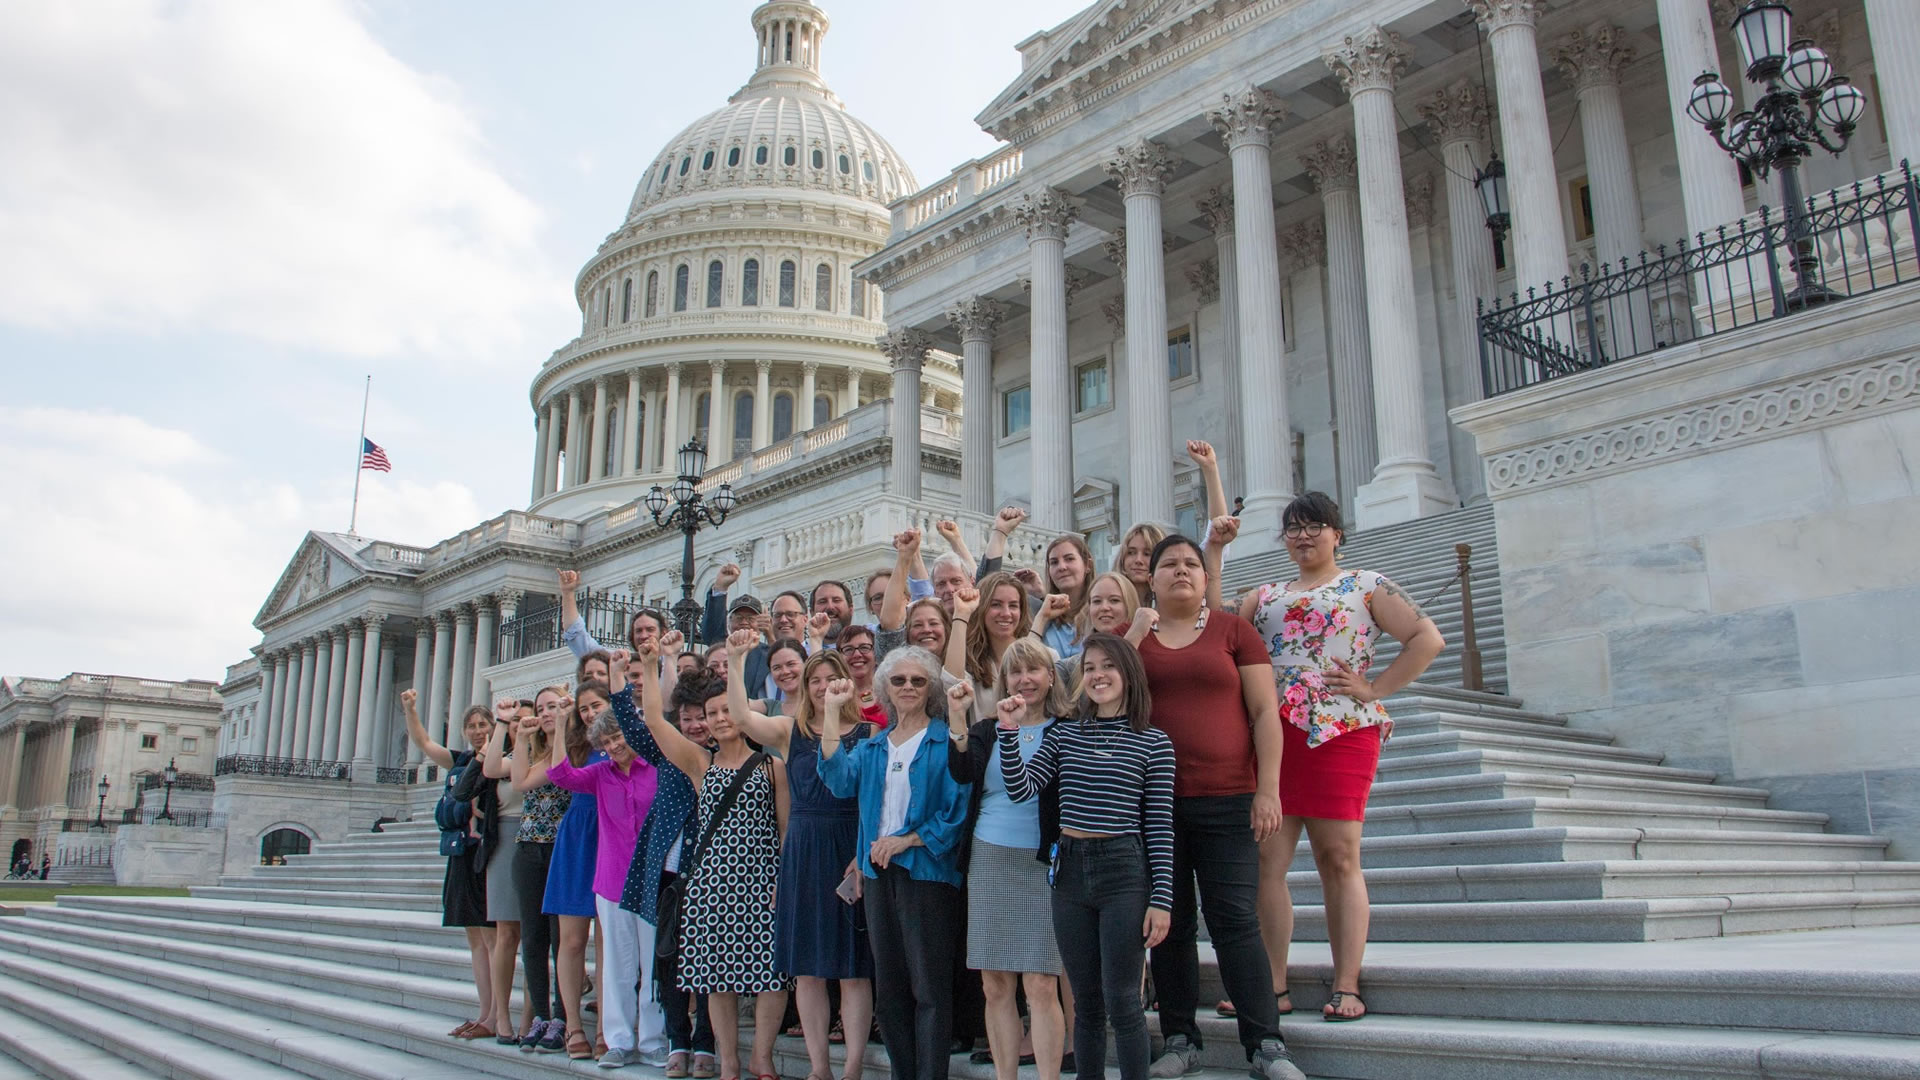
{"points": [[288, 768], [396, 774], [182, 782], [606, 616], [185, 819], [1861, 235]]}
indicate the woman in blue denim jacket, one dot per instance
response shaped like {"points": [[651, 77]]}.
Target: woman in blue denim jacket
{"points": [[912, 821]]}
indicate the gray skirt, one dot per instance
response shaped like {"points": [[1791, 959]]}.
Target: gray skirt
{"points": [[1009, 912], [503, 902]]}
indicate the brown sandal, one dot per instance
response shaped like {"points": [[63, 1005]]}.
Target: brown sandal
{"points": [[460, 1031], [578, 1048], [476, 1030]]}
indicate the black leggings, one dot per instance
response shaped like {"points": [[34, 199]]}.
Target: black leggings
{"points": [[539, 933]]}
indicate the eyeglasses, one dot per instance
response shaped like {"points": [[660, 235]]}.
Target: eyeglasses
{"points": [[918, 682], [874, 601], [1307, 531], [788, 616], [857, 649]]}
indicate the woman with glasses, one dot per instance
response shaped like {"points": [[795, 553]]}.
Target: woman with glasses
{"points": [[855, 644], [912, 816], [1321, 630]]}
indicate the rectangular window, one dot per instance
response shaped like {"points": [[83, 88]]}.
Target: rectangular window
{"points": [[1016, 410], [1180, 353], [859, 299], [1580, 197], [1186, 521], [149, 742], [188, 746], [1091, 388]]}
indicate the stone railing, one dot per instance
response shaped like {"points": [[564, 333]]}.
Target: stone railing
{"points": [[285, 768], [962, 186], [869, 530]]}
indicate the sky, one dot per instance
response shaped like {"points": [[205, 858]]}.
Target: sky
{"points": [[219, 217]]}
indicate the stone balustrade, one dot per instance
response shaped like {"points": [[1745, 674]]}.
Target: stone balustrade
{"points": [[962, 186]]}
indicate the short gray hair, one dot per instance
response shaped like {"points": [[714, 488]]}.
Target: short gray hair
{"points": [[954, 560], [912, 656], [606, 726]]}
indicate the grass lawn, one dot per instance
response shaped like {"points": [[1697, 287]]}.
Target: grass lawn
{"points": [[50, 890]]}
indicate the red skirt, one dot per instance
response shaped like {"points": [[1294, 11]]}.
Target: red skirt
{"points": [[1331, 780]]}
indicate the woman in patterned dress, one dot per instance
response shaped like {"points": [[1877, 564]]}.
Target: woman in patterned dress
{"points": [[727, 925], [1321, 629]]}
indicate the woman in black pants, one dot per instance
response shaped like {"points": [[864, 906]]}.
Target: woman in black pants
{"points": [[540, 818], [1113, 872]]}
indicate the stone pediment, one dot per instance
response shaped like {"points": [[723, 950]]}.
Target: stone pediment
{"points": [[323, 563], [1085, 41]]}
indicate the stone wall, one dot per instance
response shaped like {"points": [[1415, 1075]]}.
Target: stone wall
{"points": [[168, 855], [1711, 552], [250, 807]]}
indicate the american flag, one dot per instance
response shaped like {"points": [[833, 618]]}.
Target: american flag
{"points": [[372, 457]]}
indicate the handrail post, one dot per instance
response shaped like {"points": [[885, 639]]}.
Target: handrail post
{"points": [[1470, 675]]}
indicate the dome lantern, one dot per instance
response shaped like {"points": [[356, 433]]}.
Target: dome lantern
{"points": [[788, 34]]}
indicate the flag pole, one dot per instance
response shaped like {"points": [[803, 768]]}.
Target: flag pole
{"points": [[359, 458]]}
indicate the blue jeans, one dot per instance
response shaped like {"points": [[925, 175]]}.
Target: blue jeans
{"points": [[1099, 910]]}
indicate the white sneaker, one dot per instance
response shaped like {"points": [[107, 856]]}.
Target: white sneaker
{"points": [[1180, 1058], [618, 1059]]}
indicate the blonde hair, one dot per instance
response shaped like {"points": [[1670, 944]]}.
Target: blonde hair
{"points": [[1147, 529], [538, 748], [1027, 654], [803, 712], [1129, 596]]}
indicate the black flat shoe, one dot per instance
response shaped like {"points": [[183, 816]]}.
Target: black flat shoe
{"points": [[1068, 1065], [981, 1057]]}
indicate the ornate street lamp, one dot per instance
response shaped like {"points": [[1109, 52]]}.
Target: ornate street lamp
{"points": [[1492, 185], [1803, 101], [685, 506], [171, 776], [100, 816]]}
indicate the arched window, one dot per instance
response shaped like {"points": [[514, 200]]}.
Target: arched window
{"points": [[822, 409], [665, 171], [866, 170], [685, 163], [733, 156], [280, 843], [786, 283], [859, 293], [819, 158], [653, 293], [716, 278], [759, 155], [782, 416], [742, 424], [626, 300], [846, 165], [790, 157], [700, 412], [823, 288], [750, 282], [680, 274], [706, 161]]}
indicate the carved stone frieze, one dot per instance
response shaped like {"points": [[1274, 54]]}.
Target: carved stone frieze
{"points": [[1420, 200], [1115, 309]]}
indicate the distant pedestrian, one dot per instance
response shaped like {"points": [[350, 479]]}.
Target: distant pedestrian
{"points": [[46, 864]]}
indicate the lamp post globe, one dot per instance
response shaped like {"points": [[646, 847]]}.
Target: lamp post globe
{"points": [[100, 815], [685, 505], [1763, 28]]}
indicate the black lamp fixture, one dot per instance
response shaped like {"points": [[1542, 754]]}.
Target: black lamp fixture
{"points": [[1491, 182], [1803, 105], [686, 506], [100, 816], [171, 776]]}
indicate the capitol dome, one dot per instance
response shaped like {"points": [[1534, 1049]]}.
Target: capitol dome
{"points": [[724, 306]]}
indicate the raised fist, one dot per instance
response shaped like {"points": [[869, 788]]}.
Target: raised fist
{"points": [[1012, 710], [409, 698], [960, 697], [619, 658], [1146, 620], [949, 531], [1055, 606], [1222, 530], [671, 643], [504, 709], [728, 574], [741, 642], [819, 623], [1008, 519], [907, 542], [966, 600], [1028, 577], [650, 651], [569, 580], [1202, 453], [839, 692]]}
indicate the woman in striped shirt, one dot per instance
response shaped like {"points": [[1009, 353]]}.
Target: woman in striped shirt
{"points": [[1112, 871]]}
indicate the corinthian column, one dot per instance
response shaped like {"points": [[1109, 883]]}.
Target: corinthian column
{"points": [[1593, 58], [1216, 207], [719, 413], [809, 387], [1457, 116], [422, 681], [1709, 180], [276, 732], [322, 679], [906, 350], [550, 467], [439, 721], [373, 660], [1047, 215], [1539, 234], [1893, 29], [1141, 170], [1246, 120], [460, 691], [630, 434], [575, 445], [295, 737], [597, 446], [670, 416], [762, 403], [1331, 165], [541, 434], [486, 632], [342, 748], [1405, 485], [329, 740], [976, 318]]}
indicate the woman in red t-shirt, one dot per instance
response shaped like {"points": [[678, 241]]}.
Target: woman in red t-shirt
{"points": [[1213, 694]]}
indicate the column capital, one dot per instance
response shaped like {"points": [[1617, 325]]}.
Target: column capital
{"points": [[763, 367], [1204, 277], [976, 317], [463, 615], [1497, 15], [510, 597], [673, 368], [1305, 243], [339, 633], [1419, 200], [1046, 213], [906, 348], [1247, 117], [443, 620], [1370, 60], [1592, 57], [1140, 167], [422, 629], [373, 620], [811, 367], [1457, 112], [1332, 165], [1217, 207], [1116, 247]]}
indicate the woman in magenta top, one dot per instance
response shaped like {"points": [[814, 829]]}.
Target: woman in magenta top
{"points": [[631, 1021]]}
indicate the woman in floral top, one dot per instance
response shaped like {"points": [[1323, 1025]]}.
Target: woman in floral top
{"points": [[1321, 629]]}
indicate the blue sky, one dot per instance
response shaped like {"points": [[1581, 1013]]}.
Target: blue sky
{"points": [[217, 218]]}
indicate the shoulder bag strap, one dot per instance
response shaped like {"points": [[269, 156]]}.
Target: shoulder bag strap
{"points": [[727, 799]]}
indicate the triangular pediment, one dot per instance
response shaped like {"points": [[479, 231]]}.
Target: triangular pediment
{"points": [[322, 564], [1085, 40]]}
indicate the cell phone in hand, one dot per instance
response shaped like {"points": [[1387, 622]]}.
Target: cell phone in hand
{"points": [[849, 888]]}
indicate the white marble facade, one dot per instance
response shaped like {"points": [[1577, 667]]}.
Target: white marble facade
{"points": [[1321, 327]]}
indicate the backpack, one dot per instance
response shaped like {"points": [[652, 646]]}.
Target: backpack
{"points": [[452, 816]]}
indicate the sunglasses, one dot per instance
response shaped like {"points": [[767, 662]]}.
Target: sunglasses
{"points": [[918, 682]]}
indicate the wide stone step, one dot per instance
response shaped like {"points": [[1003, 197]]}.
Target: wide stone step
{"points": [[1616, 879], [323, 898], [440, 961], [401, 927], [1473, 787], [74, 1036], [390, 884], [1642, 919], [411, 842], [1426, 696], [1430, 722], [1430, 761], [1561, 843], [1527, 813], [1444, 742], [1850, 981], [332, 860]]}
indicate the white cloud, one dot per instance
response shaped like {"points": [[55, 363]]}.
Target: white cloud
{"points": [[268, 170], [137, 549]]}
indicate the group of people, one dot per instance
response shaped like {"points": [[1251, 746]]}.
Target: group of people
{"points": [[1023, 775]]}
